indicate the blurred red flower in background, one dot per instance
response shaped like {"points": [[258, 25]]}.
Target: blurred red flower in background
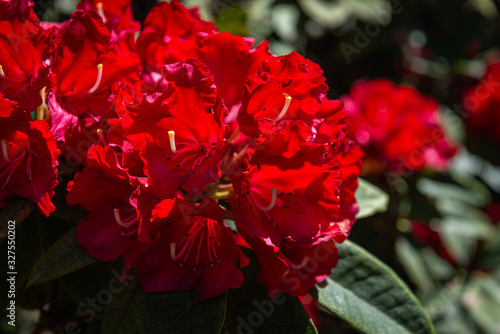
{"points": [[482, 104], [398, 126]]}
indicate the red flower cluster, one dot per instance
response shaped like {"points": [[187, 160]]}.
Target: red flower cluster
{"points": [[181, 132], [482, 104], [397, 125], [29, 152]]}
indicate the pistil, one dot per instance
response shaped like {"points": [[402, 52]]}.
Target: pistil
{"points": [[5, 152], [2, 73], [99, 6], [171, 137], [98, 80], [100, 133], [288, 100]]}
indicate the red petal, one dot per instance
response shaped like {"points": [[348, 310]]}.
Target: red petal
{"points": [[264, 98], [101, 236], [101, 181]]}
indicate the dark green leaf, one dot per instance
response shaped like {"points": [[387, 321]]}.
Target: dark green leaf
{"points": [[64, 257], [119, 315], [25, 257], [94, 282], [179, 312], [369, 296], [250, 311], [16, 210]]}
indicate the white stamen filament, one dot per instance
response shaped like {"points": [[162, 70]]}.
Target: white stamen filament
{"points": [[171, 136], [2, 73], [120, 221], [98, 81], [288, 100], [99, 6], [5, 152], [100, 133], [186, 244], [173, 246], [273, 201]]}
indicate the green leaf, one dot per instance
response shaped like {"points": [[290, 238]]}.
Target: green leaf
{"points": [[369, 296], [119, 315], [64, 257], [100, 280], [444, 299], [482, 305], [474, 229], [16, 210], [250, 311], [470, 191], [179, 312], [490, 252], [370, 199], [455, 321], [26, 234], [414, 265]]}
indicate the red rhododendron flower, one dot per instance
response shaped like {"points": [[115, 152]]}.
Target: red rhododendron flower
{"points": [[23, 70], [119, 18], [168, 38], [105, 189], [192, 153], [19, 9], [214, 129], [87, 69], [29, 158], [292, 75], [397, 125], [237, 61], [195, 249], [425, 234], [482, 104], [107, 9]]}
